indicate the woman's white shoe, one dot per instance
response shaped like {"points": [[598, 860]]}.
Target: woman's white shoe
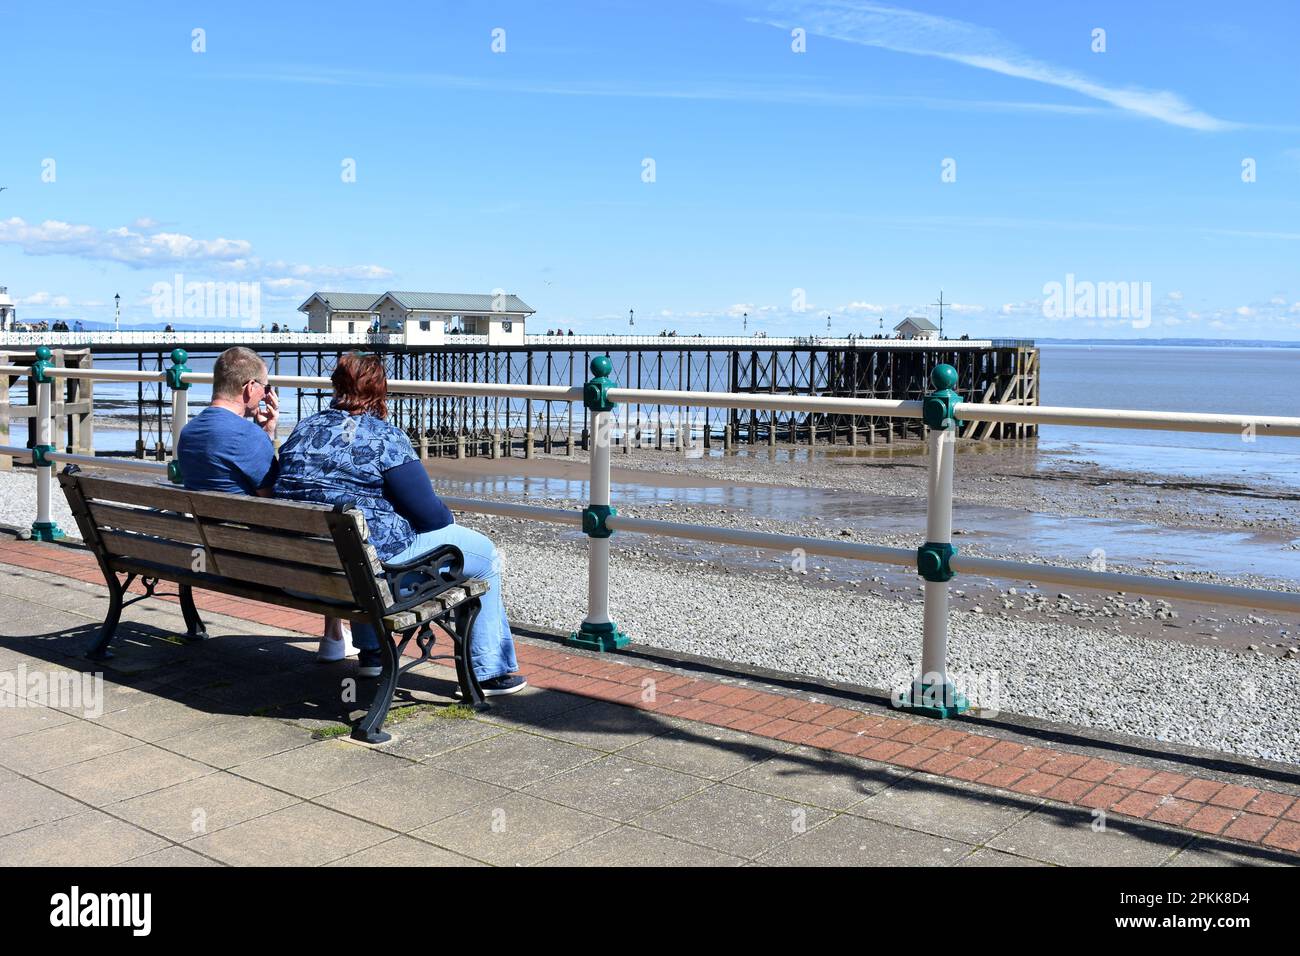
{"points": [[336, 643]]}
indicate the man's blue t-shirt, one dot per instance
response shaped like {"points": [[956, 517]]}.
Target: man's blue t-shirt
{"points": [[223, 451]]}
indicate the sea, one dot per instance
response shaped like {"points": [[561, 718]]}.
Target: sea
{"points": [[1237, 380]]}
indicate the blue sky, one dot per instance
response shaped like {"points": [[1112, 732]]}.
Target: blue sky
{"points": [[775, 171]]}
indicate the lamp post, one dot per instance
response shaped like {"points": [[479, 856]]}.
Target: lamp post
{"points": [[744, 324], [631, 318], [117, 313]]}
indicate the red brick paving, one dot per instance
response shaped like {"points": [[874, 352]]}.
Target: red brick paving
{"points": [[1265, 818]]}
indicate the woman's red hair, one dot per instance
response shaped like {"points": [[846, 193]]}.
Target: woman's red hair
{"points": [[361, 385]]}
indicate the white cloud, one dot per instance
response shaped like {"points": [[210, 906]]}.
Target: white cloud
{"points": [[923, 34], [870, 307], [145, 246], [138, 250], [45, 299]]}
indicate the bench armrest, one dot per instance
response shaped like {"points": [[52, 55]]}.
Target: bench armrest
{"points": [[418, 581]]}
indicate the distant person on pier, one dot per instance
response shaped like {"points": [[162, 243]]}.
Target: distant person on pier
{"points": [[349, 453]]}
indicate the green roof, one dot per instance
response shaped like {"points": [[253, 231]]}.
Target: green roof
{"points": [[345, 301]]}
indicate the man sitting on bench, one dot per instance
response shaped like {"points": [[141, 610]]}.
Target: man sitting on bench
{"points": [[229, 446]]}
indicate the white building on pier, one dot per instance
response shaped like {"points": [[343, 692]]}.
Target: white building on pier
{"points": [[423, 318]]}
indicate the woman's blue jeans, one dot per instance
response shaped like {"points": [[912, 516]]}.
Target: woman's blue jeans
{"points": [[492, 645]]}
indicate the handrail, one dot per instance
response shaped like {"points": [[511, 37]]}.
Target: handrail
{"points": [[936, 560]]}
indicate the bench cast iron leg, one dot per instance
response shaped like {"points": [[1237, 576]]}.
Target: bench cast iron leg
{"points": [[463, 622], [194, 629], [370, 727], [100, 651]]}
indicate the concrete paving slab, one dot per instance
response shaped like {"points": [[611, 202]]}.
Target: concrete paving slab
{"points": [[852, 841], [301, 835], [631, 846], [171, 856], [90, 838], [1206, 852], [620, 789], [603, 726], [987, 857], [202, 805], [68, 743], [318, 768], [237, 741], [518, 831], [947, 808], [26, 803], [412, 797], [514, 760], [20, 716], [739, 822], [818, 777], [423, 737], [705, 751], [531, 706], [1066, 836], [160, 718], [120, 776], [405, 851]]}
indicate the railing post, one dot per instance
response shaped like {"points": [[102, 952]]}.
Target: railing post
{"points": [[180, 409], [598, 632], [932, 692], [43, 528]]}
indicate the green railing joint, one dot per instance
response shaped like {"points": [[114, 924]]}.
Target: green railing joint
{"points": [[179, 368], [939, 410], [595, 394], [44, 360], [40, 455], [597, 637], [594, 518], [932, 561]]}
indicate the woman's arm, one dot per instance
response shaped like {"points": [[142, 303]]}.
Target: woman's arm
{"points": [[409, 490]]}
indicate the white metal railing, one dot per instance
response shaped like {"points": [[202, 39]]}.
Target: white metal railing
{"points": [[936, 561], [164, 341]]}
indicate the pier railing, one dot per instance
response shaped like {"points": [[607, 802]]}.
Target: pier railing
{"points": [[936, 560]]}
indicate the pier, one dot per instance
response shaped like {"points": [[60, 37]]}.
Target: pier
{"points": [[990, 371]]}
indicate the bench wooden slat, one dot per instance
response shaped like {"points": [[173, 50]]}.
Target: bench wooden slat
{"points": [[146, 520], [320, 552], [448, 599], [296, 516], [311, 582], [120, 544]]}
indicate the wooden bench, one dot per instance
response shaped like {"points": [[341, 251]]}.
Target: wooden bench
{"points": [[291, 554]]}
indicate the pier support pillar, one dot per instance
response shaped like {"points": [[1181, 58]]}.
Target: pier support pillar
{"points": [[528, 443]]}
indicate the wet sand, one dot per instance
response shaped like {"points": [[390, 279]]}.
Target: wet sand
{"points": [[1011, 502]]}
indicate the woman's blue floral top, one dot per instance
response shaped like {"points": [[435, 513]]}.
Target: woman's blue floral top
{"points": [[333, 457]]}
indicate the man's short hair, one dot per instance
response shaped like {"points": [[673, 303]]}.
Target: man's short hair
{"points": [[235, 367]]}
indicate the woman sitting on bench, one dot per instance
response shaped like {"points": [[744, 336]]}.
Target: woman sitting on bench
{"points": [[350, 454]]}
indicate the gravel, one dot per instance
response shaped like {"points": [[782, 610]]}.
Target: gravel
{"points": [[1163, 690]]}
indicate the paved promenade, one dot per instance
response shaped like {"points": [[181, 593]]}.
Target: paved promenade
{"points": [[231, 752]]}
